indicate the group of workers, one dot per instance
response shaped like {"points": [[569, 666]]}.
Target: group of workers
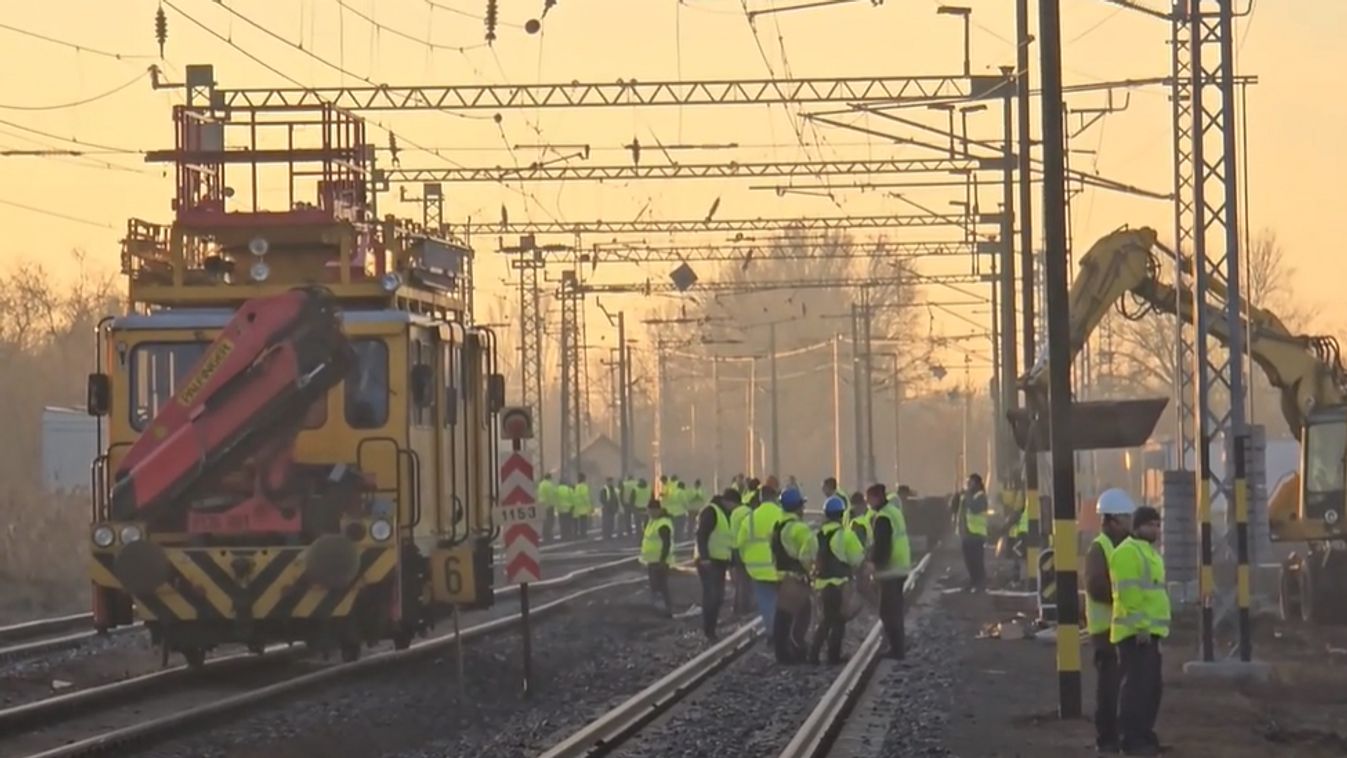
{"points": [[755, 532], [567, 507], [1127, 614]]}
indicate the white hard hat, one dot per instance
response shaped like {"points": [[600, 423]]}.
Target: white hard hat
{"points": [[1115, 502]]}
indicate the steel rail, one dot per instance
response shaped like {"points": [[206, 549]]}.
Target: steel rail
{"points": [[164, 726], [627, 719], [816, 735]]}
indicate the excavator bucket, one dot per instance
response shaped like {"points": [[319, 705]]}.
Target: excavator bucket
{"points": [[1095, 425]]}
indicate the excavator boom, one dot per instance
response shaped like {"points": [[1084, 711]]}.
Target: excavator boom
{"points": [[1304, 369]]}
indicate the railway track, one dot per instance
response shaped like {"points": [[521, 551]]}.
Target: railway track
{"points": [[53, 635], [655, 703], [111, 718], [48, 636]]}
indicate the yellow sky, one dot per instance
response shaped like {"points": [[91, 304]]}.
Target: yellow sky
{"points": [[1293, 47]]}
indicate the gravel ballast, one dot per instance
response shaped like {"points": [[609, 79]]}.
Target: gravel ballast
{"points": [[587, 658]]}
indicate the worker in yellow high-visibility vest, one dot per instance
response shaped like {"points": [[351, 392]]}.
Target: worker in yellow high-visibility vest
{"points": [[743, 586], [891, 559], [754, 542], [547, 501], [657, 554], [970, 507], [1115, 508], [582, 505], [1141, 616], [565, 496], [714, 547]]}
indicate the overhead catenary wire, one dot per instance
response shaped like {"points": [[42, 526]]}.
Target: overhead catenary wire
{"points": [[404, 35], [77, 103], [56, 214], [75, 46]]}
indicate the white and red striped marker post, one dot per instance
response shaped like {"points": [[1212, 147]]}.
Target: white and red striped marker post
{"points": [[517, 516]]}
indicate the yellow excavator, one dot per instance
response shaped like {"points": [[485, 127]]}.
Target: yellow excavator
{"points": [[1310, 507]]}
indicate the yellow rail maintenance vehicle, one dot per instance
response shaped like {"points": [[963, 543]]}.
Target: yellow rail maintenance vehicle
{"points": [[299, 412]]}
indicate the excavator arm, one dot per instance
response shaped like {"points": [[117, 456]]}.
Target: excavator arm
{"points": [[245, 400], [1305, 370]]}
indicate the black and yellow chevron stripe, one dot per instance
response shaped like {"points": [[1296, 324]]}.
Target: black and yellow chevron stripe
{"points": [[205, 585]]}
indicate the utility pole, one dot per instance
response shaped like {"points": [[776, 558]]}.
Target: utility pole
{"points": [[867, 313], [624, 393], [567, 334], [661, 371], [1026, 219], [858, 427], [776, 420], [749, 469], [1005, 448], [837, 409], [719, 429], [1059, 363]]}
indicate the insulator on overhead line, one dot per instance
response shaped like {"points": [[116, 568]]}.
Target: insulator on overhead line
{"points": [[161, 29], [491, 18]]}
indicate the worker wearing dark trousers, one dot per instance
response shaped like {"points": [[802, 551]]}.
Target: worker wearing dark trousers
{"points": [[713, 560], [792, 550], [609, 501], [839, 553], [1115, 508], [970, 507], [657, 555], [1141, 616], [890, 559]]}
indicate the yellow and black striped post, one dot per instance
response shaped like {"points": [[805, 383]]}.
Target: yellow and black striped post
{"points": [[1206, 576], [1242, 590], [1033, 539], [1059, 360]]}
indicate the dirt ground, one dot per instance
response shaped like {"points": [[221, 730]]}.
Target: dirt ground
{"points": [[1007, 694]]}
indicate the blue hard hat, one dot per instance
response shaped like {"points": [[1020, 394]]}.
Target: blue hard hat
{"points": [[834, 506], [792, 498]]}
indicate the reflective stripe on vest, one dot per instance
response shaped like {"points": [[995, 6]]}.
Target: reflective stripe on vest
{"points": [[900, 553], [651, 543], [719, 544], [1099, 616], [757, 551], [1140, 601]]}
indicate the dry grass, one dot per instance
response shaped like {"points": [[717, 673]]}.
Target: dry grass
{"points": [[43, 554]]}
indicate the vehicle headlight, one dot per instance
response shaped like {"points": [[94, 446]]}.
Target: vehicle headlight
{"points": [[258, 246], [103, 536], [380, 530], [131, 533], [259, 271], [390, 281]]}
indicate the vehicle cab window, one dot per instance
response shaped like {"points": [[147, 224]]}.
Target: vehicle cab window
{"points": [[367, 385]]}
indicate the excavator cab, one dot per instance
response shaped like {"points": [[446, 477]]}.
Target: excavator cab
{"points": [[1323, 491]]}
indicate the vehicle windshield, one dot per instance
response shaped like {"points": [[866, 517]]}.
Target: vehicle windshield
{"points": [[157, 370], [1326, 456]]}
